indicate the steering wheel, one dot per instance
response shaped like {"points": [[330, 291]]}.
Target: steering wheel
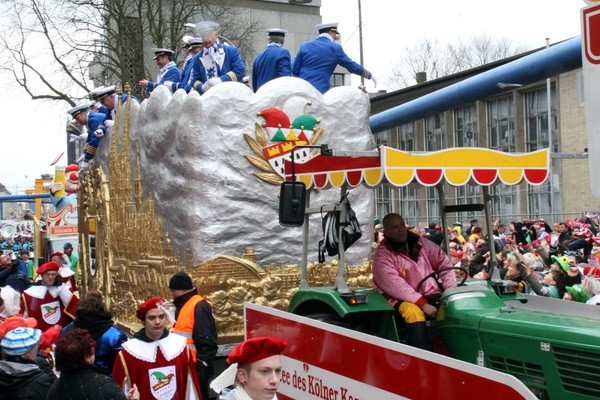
{"points": [[436, 276]]}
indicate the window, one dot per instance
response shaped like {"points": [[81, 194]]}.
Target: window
{"points": [[536, 116], [433, 205], [409, 205], [467, 194], [408, 200], [435, 129], [501, 125], [465, 126], [337, 80], [383, 193], [537, 135], [504, 200], [501, 137], [406, 137]]}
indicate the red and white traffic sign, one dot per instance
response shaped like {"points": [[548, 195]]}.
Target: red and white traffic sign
{"points": [[591, 33], [326, 362], [590, 48]]}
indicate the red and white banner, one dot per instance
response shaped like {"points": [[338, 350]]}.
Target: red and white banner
{"points": [[590, 43], [326, 362], [63, 222]]}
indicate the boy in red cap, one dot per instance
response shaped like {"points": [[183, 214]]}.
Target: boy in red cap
{"points": [[155, 360], [48, 301], [255, 369]]}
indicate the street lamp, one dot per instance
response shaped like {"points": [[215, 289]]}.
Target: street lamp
{"points": [[503, 85], [360, 41]]}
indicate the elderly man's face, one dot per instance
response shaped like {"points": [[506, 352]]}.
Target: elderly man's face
{"points": [[210, 40], [81, 118], [108, 102]]}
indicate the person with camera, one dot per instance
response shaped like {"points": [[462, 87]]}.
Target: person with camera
{"points": [[11, 275]]}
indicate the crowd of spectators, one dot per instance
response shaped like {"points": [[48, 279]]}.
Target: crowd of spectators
{"points": [[558, 260]]}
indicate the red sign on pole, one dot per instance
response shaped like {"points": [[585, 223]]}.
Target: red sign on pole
{"points": [[326, 362], [591, 33]]}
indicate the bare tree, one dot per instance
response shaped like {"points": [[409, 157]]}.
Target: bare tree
{"points": [[80, 44], [437, 60]]}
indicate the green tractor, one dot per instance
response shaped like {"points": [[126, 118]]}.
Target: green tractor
{"points": [[552, 346]]}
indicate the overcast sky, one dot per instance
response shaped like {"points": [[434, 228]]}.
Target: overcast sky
{"points": [[33, 132]]}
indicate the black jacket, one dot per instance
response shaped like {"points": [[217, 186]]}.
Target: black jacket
{"points": [[87, 383], [21, 379]]}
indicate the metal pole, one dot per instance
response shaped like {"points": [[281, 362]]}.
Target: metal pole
{"points": [[550, 141], [360, 39]]}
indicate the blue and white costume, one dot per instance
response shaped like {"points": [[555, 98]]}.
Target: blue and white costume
{"points": [[95, 123], [316, 60], [168, 73], [218, 61], [271, 63]]}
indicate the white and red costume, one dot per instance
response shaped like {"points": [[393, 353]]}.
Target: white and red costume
{"points": [[66, 273], [49, 305], [161, 369], [68, 278]]}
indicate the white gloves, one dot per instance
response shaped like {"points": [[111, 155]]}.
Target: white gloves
{"points": [[210, 83], [374, 80], [83, 164], [98, 133], [77, 138], [109, 123]]}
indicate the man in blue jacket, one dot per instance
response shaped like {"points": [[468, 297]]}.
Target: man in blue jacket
{"points": [[272, 62], [109, 99], [94, 122], [167, 72], [316, 60], [192, 47], [216, 63]]}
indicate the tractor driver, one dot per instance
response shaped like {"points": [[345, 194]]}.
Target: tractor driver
{"points": [[400, 262]]}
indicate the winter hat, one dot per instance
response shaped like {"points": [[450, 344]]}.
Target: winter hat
{"points": [[148, 305], [578, 293], [16, 321], [248, 351], [20, 340], [49, 266], [563, 261], [181, 281], [255, 349]]}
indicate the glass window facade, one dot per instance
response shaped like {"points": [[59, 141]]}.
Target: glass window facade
{"points": [[539, 127], [501, 124], [502, 137], [465, 126], [435, 130]]}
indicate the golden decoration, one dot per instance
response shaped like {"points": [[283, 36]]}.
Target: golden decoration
{"points": [[133, 258]]}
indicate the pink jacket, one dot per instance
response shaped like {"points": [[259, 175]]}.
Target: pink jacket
{"points": [[396, 275]]}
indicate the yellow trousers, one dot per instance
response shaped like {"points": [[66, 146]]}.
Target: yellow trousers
{"points": [[411, 312]]}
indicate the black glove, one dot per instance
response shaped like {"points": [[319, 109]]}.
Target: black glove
{"points": [[14, 266], [205, 369]]}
